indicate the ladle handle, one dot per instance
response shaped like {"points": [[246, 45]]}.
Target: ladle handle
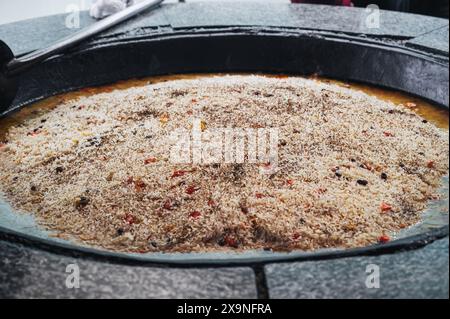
{"points": [[20, 64]]}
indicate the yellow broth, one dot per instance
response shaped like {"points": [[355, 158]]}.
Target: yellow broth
{"points": [[439, 116]]}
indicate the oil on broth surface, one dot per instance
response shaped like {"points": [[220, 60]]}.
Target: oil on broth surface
{"points": [[439, 116]]}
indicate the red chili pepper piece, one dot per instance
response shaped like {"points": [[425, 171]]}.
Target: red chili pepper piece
{"points": [[168, 205], [259, 195], [430, 164], [195, 214], [191, 189], [384, 239], [139, 185], [388, 134], [385, 207], [211, 203], [230, 241], [150, 160], [178, 174], [129, 219]]}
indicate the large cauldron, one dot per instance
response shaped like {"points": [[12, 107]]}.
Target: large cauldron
{"points": [[300, 40]]}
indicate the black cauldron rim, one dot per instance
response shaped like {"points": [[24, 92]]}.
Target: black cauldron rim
{"points": [[237, 49]]}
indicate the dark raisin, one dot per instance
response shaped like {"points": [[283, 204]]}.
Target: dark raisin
{"points": [[120, 232], [283, 143], [94, 141], [391, 111], [59, 169], [353, 160], [424, 121], [384, 176], [244, 208], [82, 202], [33, 188], [221, 242], [402, 165], [362, 182]]}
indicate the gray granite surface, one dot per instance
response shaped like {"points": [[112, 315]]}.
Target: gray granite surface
{"points": [[331, 18], [30, 273], [29, 35], [437, 39], [423, 273], [27, 272]]}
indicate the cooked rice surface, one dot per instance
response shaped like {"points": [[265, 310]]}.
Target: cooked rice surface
{"points": [[352, 169]]}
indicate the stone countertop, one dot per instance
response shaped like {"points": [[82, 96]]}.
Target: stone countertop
{"points": [[29, 272], [407, 29]]}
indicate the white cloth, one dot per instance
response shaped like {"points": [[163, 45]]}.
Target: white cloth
{"points": [[103, 8]]}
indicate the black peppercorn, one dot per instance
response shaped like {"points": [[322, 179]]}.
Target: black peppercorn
{"points": [[82, 202], [221, 242], [362, 182]]}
